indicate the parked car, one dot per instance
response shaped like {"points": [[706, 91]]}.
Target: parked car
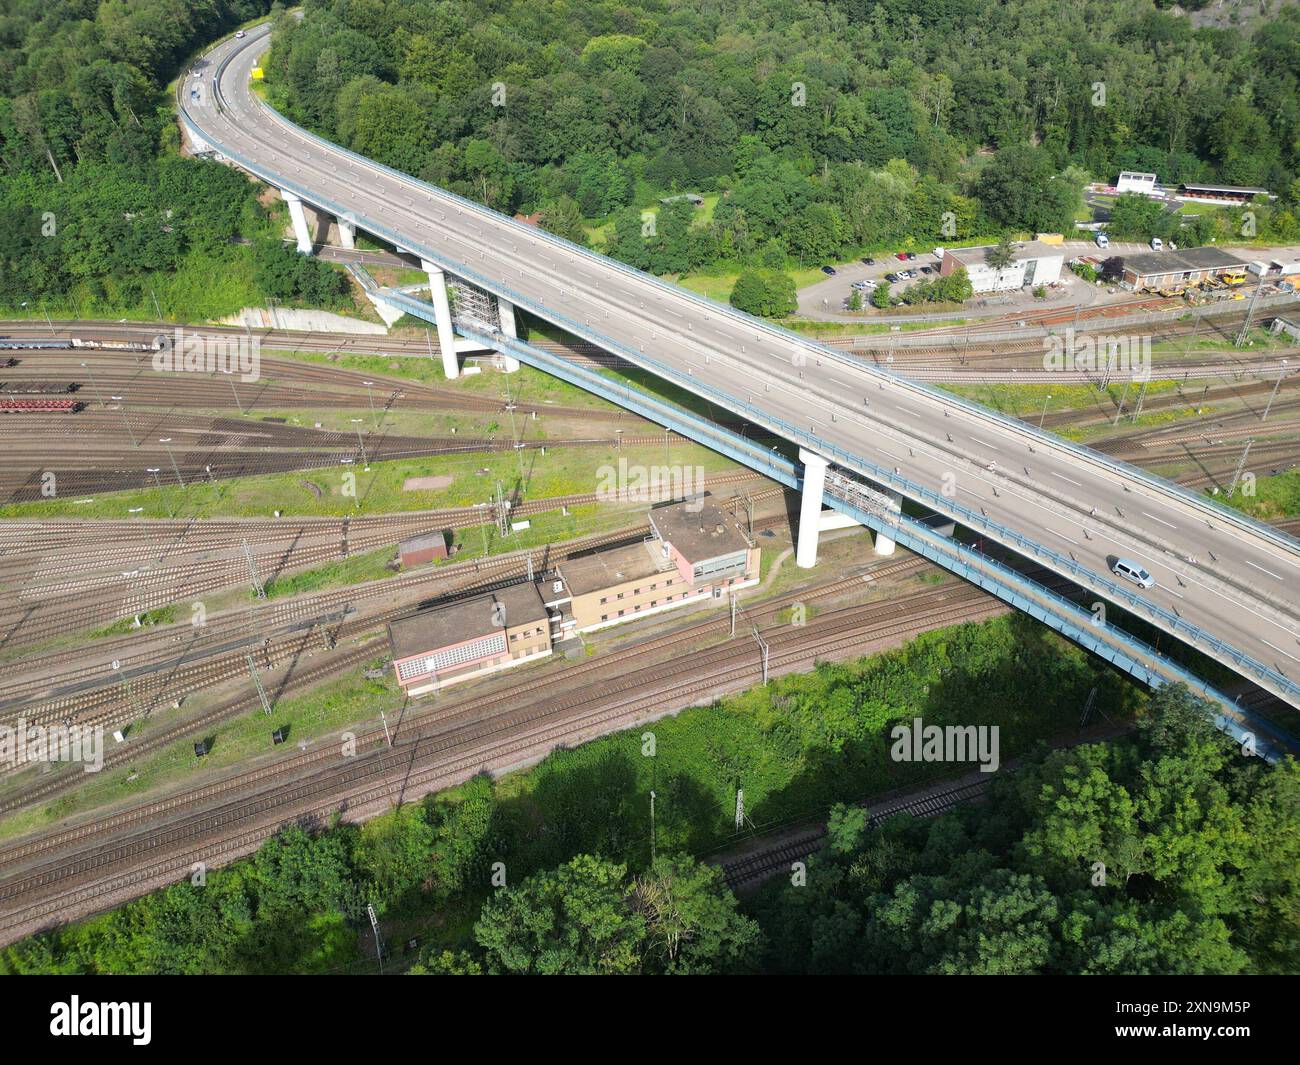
{"points": [[1103, 241], [901, 256], [829, 271], [869, 260], [1131, 571], [1157, 244], [911, 255], [927, 269], [864, 286], [891, 278], [938, 253]]}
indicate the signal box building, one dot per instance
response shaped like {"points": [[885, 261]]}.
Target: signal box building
{"points": [[705, 546], [447, 644]]}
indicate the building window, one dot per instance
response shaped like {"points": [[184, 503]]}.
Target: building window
{"points": [[620, 613], [604, 599], [620, 595], [604, 617], [654, 602]]}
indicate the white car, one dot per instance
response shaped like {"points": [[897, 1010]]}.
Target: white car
{"points": [[1131, 571], [239, 34], [1157, 244], [1103, 241]]}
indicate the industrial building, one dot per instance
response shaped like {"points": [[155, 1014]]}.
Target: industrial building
{"points": [[1177, 269], [706, 546], [1035, 263], [448, 644], [697, 552], [1225, 194]]}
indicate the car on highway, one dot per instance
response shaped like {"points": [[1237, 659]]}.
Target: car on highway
{"points": [[1131, 571], [829, 271], [239, 34]]}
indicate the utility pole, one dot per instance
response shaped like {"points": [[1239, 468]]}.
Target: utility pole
{"points": [[166, 441], [1142, 395], [365, 462], [1250, 313], [161, 490], [763, 645], [733, 615], [126, 422], [374, 926], [258, 589], [1273, 395], [1122, 400], [652, 826], [257, 683], [387, 735], [93, 384], [1046, 400], [1241, 465], [740, 808], [230, 374]]}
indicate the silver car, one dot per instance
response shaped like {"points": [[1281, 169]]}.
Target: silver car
{"points": [[1131, 571]]}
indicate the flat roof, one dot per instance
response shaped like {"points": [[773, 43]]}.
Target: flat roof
{"points": [[465, 619], [1219, 188], [698, 529], [604, 569], [1178, 262], [1024, 249], [416, 543]]}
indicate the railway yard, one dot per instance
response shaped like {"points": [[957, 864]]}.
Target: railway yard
{"points": [[180, 565]]}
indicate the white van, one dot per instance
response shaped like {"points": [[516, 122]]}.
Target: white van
{"points": [[1131, 571], [1157, 244], [1103, 241]]}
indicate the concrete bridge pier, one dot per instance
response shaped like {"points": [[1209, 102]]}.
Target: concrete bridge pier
{"points": [[347, 232], [506, 313], [885, 544], [442, 315], [810, 508], [299, 216]]}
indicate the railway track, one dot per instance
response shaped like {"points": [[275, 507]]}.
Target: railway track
{"points": [[748, 871], [457, 747]]}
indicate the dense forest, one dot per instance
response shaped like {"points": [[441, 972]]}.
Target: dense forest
{"points": [[826, 126], [98, 208], [552, 870]]}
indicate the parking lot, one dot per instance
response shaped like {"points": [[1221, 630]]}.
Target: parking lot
{"points": [[827, 299]]}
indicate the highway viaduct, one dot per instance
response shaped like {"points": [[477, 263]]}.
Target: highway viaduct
{"points": [[867, 439]]}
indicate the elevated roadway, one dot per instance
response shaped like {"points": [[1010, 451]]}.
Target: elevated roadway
{"points": [[1225, 584]]}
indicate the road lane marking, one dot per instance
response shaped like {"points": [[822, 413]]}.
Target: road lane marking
{"points": [[1262, 569], [1160, 520]]}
